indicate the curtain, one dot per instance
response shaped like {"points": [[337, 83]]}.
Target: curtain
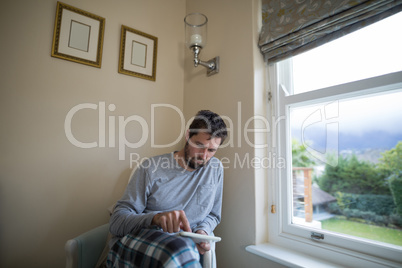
{"points": [[291, 27]]}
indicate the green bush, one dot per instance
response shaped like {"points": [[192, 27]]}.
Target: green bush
{"points": [[395, 184], [369, 208], [365, 216], [351, 213], [396, 220], [334, 208], [352, 175], [378, 204]]}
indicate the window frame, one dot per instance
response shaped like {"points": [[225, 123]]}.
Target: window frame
{"points": [[337, 248]]}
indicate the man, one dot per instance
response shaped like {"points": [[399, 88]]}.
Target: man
{"points": [[177, 191]]}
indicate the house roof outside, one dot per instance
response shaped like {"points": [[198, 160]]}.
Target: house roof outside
{"points": [[319, 196]]}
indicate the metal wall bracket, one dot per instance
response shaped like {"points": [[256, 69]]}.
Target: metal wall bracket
{"points": [[212, 65]]}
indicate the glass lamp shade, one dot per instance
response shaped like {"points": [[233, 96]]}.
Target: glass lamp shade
{"points": [[195, 30]]}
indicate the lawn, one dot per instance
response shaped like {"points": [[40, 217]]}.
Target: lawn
{"points": [[382, 234]]}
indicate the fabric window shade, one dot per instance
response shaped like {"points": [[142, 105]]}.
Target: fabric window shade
{"points": [[291, 27]]}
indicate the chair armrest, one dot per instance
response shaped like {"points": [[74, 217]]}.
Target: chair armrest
{"points": [[207, 261], [84, 250]]}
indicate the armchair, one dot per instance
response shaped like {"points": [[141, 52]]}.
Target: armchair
{"points": [[85, 250]]}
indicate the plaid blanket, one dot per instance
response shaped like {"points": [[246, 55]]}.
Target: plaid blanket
{"points": [[153, 248]]}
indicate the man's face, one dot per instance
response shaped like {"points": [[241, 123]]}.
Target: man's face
{"points": [[199, 149]]}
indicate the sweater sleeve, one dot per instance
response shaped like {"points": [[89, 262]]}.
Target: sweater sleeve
{"points": [[128, 215]]}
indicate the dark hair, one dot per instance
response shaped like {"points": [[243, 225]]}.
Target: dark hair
{"points": [[209, 122]]}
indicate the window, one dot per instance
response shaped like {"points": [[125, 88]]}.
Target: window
{"points": [[338, 110]]}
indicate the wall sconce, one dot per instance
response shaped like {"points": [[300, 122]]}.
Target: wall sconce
{"points": [[196, 39]]}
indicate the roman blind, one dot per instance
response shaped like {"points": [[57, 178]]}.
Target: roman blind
{"points": [[291, 27]]}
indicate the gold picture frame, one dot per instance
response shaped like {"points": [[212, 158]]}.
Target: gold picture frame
{"points": [[138, 52], [78, 35]]}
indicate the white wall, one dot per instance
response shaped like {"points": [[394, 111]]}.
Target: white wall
{"points": [[237, 93], [50, 190]]}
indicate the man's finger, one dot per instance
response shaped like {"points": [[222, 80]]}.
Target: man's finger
{"points": [[185, 225], [170, 224], [205, 245], [163, 225], [202, 248], [176, 221]]}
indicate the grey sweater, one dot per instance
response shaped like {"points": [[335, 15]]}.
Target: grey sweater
{"points": [[160, 184]]}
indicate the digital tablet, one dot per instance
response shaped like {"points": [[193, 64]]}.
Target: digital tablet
{"points": [[198, 238]]}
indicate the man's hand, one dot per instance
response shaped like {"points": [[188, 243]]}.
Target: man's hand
{"points": [[172, 221], [203, 246]]}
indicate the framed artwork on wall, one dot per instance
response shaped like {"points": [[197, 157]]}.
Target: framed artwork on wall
{"points": [[78, 35], [138, 53]]}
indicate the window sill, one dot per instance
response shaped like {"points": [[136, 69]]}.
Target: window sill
{"points": [[288, 257]]}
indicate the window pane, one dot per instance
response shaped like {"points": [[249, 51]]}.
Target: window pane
{"points": [[372, 51], [347, 166]]}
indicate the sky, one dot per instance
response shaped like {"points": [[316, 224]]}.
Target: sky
{"points": [[372, 51]]}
